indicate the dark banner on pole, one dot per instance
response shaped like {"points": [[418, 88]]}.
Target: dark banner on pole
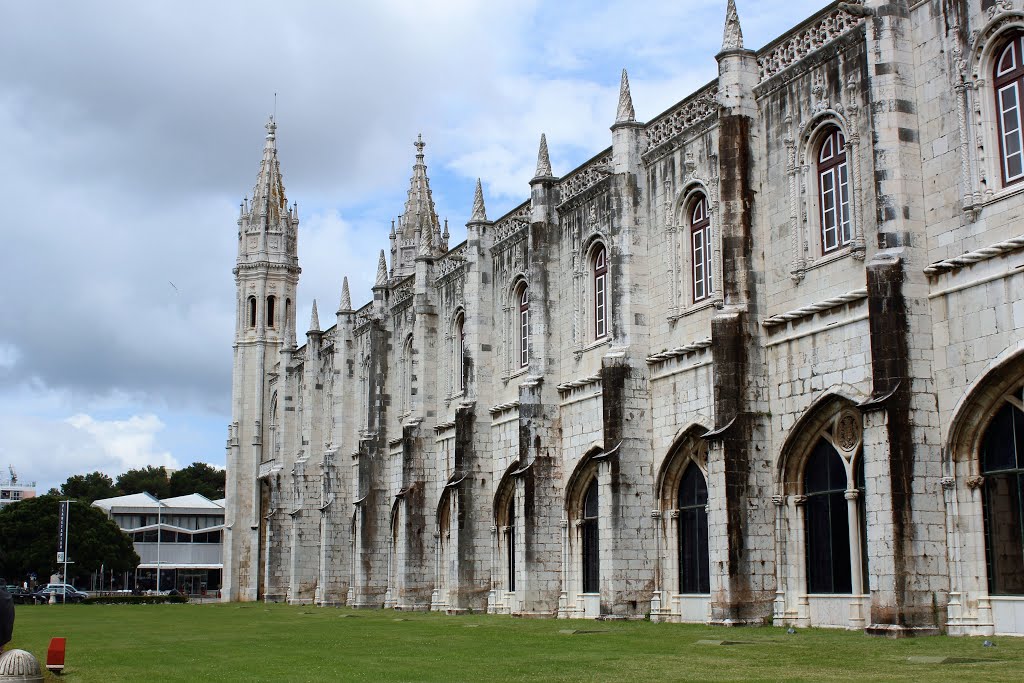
{"points": [[62, 527]]}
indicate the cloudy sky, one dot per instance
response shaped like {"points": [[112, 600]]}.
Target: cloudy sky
{"points": [[133, 129]]}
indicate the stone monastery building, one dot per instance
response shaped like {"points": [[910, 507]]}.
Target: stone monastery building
{"points": [[759, 360]]}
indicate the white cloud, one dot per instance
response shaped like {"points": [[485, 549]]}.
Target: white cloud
{"points": [[132, 130]]}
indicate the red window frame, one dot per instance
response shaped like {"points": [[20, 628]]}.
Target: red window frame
{"points": [[524, 326], [700, 249], [1008, 81], [600, 292], [834, 191]]}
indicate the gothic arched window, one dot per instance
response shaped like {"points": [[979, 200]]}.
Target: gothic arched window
{"points": [[600, 274], [1008, 79], [523, 325], [694, 561], [252, 311], [459, 353], [270, 310], [700, 248], [511, 545], [591, 541], [827, 522], [1002, 465], [834, 191]]}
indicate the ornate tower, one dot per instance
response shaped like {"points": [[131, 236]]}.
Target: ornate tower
{"points": [[419, 230], [266, 276]]}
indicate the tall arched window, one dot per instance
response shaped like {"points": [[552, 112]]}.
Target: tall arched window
{"points": [[600, 269], [1008, 78], [827, 522], [834, 191], [511, 545], [591, 541], [459, 353], [252, 311], [287, 312], [700, 248], [523, 325], [270, 310], [1002, 465], [694, 561]]}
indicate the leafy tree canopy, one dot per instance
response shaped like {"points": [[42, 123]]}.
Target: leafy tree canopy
{"points": [[150, 479], [198, 478], [88, 487], [28, 540]]}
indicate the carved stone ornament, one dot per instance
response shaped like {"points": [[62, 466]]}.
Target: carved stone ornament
{"points": [[975, 482], [948, 483], [847, 431], [998, 7]]}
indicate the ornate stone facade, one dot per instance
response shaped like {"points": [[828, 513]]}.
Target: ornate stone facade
{"points": [[754, 362]]}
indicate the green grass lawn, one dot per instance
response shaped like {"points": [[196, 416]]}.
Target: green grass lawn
{"points": [[253, 641]]}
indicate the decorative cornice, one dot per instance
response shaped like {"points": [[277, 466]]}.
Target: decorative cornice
{"points": [[577, 383], [806, 311], [679, 351], [976, 256]]}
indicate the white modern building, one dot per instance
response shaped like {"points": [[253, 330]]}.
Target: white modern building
{"points": [[179, 538]]}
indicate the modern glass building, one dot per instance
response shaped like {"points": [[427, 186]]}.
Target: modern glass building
{"points": [[179, 540]]}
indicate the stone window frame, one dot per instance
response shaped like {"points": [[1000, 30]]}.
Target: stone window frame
{"points": [[456, 337], [1012, 46], [512, 337], [805, 204], [276, 433], [972, 75], [593, 466], [251, 305], [678, 228], [689, 449], [508, 498], [1012, 401], [405, 378], [588, 294], [835, 418], [271, 312], [963, 487], [600, 281], [697, 200], [443, 544], [837, 168]]}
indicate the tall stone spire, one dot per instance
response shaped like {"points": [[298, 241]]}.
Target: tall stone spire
{"points": [[382, 271], [346, 299], [625, 111], [543, 161], [479, 212], [314, 320], [418, 223], [268, 198], [732, 37]]}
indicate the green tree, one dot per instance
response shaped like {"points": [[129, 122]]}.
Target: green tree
{"points": [[198, 478], [151, 480], [88, 487], [28, 540]]}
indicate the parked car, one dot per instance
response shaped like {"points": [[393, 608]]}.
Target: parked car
{"points": [[59, 591], [22, 596]]}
